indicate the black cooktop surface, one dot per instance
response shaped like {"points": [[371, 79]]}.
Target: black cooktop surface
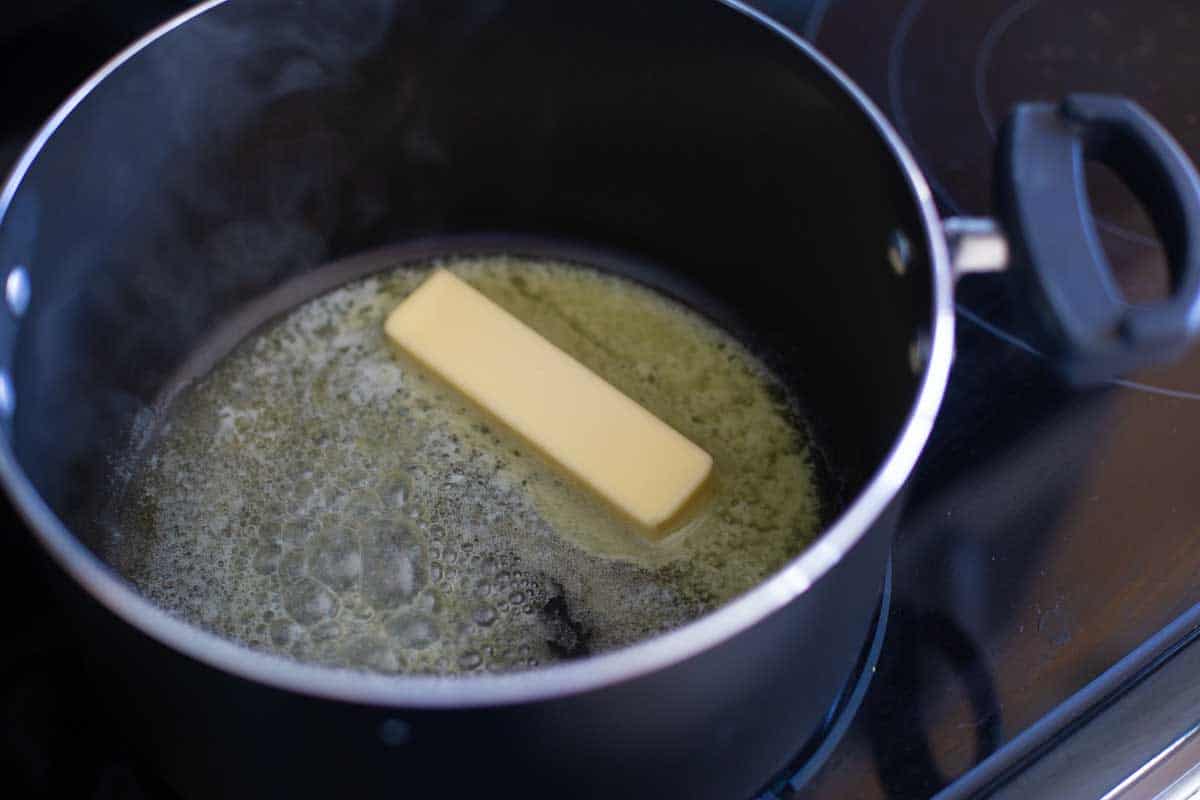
{"points": [[1050, 532]]}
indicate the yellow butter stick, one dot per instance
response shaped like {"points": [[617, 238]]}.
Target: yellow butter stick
{"points": [[635, 461]]}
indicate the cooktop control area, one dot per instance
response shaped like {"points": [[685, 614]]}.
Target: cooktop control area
{"points": [[1048, 566]]}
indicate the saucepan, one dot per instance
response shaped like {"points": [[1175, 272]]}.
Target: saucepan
{"points": [[247, 143]]}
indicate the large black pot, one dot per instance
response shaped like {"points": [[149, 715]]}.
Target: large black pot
{"points": [[247, 143]]}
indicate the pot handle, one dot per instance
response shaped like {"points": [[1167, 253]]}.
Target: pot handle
{"points": [[1082, 319]]}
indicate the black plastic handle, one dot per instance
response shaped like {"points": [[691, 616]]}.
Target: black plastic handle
{"points": [[1083, 320]]}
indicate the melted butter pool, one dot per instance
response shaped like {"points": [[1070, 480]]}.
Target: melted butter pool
{"points": [[317, 497]]}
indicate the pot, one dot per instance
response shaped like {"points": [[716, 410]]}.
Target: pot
{"points": [[721, 158]]}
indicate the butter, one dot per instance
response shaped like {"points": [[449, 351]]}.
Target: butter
{"points": [[637, 463]]}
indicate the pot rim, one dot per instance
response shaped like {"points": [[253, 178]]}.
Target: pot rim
{"points": [[558, 680]]}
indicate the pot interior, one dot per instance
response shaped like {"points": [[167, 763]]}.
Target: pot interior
{"points": [[259, 141]]}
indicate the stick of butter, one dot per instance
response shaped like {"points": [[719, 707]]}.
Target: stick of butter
{"points": [[632, 459]]}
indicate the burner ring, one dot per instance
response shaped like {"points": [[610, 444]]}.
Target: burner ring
{"points": [[816, 752]]}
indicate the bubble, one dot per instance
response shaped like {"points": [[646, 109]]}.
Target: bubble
{"points": [[302, 650], [362, 612], [392, 567], [483, 616], [469, 660], [362, 509], [210, 609], [413, 631], [334, 558], [382, 659], [293, 565], [308, 602], [267, 558], [395, 489], [329, 629], [332, 496]]}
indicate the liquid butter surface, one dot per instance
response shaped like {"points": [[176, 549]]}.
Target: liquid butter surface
{"points": [[317, 497]]}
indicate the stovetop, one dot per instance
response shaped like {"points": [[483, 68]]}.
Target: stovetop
{"points": [[1051, 533]]}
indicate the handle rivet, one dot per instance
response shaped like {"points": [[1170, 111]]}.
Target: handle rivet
{"points": [[918, 353], [899, 252], [8, 395], [16, 290]]}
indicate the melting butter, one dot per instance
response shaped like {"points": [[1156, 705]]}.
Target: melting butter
{"points": [[313, 496]]}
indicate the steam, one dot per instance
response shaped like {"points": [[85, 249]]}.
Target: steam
{"points": [[230, 154]]}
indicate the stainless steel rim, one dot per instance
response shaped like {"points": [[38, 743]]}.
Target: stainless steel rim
{"points": [[551, 681]]}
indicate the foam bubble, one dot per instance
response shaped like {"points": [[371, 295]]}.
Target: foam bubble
{"points": [[414, 631], [309, 602], [335, 558], [394, 567]]}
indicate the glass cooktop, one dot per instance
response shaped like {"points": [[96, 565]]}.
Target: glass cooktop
{"points": [[1051, 535], [1051, 532]]}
